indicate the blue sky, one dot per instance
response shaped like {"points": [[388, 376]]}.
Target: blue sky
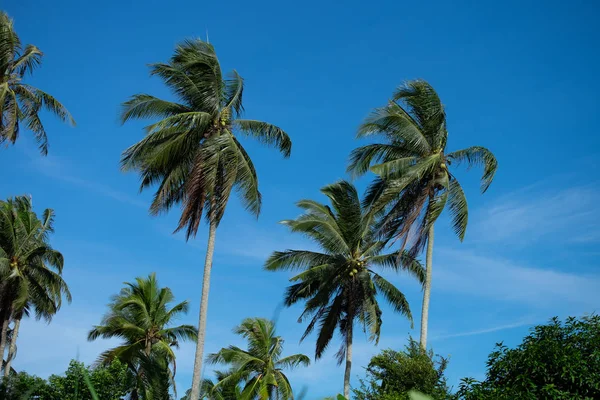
{"points": [[518, 77]]}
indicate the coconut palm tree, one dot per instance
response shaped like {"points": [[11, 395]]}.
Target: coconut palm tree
{"points": [[30, 269], [193, 152], [339, 284], [414, 184], [141, 315], [258, 371], [21, 103]]}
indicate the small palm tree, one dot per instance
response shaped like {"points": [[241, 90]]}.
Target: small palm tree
{"points": [[193, 152], [414, 184], [141, 315], [258, 370], [30, 269], [21, 103], [340, 285]]}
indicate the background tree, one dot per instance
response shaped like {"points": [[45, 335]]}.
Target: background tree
{"points": [[258, 371], [339, 285], [414, 184], [30, 269], [193, 152], [141, 315], [555, 361], [392, 375], [21, 103]]}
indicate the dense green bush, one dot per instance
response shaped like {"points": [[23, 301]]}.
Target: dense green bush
{"points": [[112, 382], [391, 375], [555, 361]]}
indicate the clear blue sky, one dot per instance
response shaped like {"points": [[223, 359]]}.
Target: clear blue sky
{"points": [[519, 77]]}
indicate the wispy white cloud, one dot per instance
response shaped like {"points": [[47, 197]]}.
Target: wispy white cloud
{"points": [[56, 168], [473, 274], [518, 324], [534, 212]]}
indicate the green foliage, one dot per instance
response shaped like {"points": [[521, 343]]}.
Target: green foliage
{"points": [[111, 382], [392, 375], [20, 103], [555, 361], [255, 373]]}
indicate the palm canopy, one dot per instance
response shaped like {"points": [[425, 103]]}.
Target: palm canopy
{"points": [[257, 371], [414, 184], [340, 283], [142, 315], [193, 152], [21, 103], [30, 269]]}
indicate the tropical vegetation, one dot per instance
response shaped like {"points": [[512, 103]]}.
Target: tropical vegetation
{"points": [[414, 184], [340, 285], [20, 103], [192, 156]]}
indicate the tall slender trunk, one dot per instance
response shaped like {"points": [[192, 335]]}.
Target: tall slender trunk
{"points": [[427, 289], [5, 316], [13, 345], [348, 361], [196, 377]]}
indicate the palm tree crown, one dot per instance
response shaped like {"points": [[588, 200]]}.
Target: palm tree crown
{"points": [[19, 102], [258, 370], [192, 152], [414, 182], [141, 315], [340, 284]]}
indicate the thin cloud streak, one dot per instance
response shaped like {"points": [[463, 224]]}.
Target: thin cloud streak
{"points": [[483, 331]]}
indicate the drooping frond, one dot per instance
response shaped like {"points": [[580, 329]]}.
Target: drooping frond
{"points": [[478, 155]]}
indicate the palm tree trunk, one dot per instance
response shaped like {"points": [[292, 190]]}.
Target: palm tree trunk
{"points": [[13, 345], [196, 377], [348, 361], [427, 289], [3, 334]]}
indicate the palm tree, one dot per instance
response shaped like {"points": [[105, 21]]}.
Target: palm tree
{"points": [[193, 152], [414, 184], [340, 284], [258, 370], [141, 315], [19, 102], [30, 269]]}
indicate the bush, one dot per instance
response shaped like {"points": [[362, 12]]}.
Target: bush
{"points": [[555, 361], [391, 375]]}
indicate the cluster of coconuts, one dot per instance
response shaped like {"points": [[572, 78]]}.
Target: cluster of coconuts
{"points": [[354, 271], [224, 118]]}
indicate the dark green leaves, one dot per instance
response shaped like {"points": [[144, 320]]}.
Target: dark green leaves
{"points": [[477, 155]]}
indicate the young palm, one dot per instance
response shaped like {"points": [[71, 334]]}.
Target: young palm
{"points": [[141, 315], [193, 152], [414, 184], [21, 103], [30, 269], [339, 284], [258, 370]]}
